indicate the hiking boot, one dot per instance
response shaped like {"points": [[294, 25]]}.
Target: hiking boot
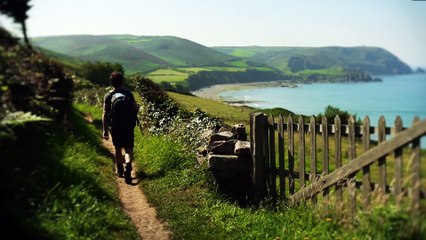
{"points": [[127, 174], [120, 170]]}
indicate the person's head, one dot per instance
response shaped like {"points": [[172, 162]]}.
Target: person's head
{"points": [[116, 79]]}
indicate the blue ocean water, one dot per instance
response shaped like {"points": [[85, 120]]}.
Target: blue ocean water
{"points": [[403, 95]]}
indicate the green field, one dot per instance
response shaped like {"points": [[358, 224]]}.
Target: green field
{"points": [[167, 75], [230, 114]]}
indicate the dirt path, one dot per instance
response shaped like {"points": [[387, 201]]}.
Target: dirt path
{"points": [[136, 206]]}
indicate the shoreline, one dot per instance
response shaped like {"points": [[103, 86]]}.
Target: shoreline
{"points": [[213, 91]]}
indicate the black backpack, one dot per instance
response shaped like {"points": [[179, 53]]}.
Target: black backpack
{"points": [[123, 112]]}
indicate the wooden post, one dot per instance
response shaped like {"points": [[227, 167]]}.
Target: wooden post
{"points": [[352, 156], [325, 160], [290, 127], [313, 173], [281, 157], [416, 172], [366, 180], [398, 165], [272, 162], [338, 155], [382, 160], [302, 152], [258, 156]]}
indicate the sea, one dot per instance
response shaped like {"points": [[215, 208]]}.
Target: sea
{"points": [[396, 95]]}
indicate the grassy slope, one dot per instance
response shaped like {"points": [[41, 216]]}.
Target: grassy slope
{"points": [[135, 53], [101, 48], [371, 59], [176, 51], [230, 114], [61, 185], [186, 198]]}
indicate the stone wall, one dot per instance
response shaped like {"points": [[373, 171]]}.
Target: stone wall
{"points": [[229, 159]]}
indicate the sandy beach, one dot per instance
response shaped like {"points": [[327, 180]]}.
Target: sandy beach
{"points": [[212, 92]]}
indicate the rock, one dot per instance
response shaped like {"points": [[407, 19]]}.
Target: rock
{"points": [[206, 134], [240, 131], [224, 147], [202, 150], [202, 160], [242, 149], [221, 136], [228, 163], [224, 129]]}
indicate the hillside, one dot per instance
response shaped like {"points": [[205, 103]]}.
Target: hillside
{"points": [[136, 54], [293, 60], [181, 64]]}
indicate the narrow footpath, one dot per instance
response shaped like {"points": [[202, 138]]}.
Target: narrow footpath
{"points": [[136, 206]]}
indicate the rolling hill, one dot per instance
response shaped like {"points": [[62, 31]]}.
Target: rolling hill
{"points": [[135, 53], [171, 59], [373, 60]]}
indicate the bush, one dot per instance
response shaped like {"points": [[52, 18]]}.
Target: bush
{"points": [[31, 82], [98, 72], [331, 112]]}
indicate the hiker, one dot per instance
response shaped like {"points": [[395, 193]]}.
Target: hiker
{"points": [[119, 116]]}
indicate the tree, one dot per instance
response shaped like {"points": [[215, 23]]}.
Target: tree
{"points": [[98, 72], [17, 9], [331, 112]]}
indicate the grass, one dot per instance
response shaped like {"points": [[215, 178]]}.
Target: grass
{"points": [[186, 197], [60, 184], [167, 75], [229, 114]]}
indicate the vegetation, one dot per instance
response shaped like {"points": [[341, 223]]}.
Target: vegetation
{"points": [[98, 72], [31, 82], [59, 184], [194, 209], [17, 9], [167, 60], [298, 59], [57, 177], [331, 112]]}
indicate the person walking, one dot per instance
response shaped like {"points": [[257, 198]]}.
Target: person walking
{"points": [[119, 117]]}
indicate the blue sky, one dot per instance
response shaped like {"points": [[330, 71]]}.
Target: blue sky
{"points": [[396, 25]]}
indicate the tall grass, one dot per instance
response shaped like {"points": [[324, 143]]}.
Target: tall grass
{"points": [[57, 183]]}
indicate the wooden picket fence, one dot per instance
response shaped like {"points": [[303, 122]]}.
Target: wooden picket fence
{"points": [[319, 169]]}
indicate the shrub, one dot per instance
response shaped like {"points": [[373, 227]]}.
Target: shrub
{"points": [[331, 112], [98, 72]]}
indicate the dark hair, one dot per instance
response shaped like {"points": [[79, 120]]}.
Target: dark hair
{"points": [[116, 79]]}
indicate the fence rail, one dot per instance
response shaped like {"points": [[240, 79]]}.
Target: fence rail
{"points": [[295, 161]]}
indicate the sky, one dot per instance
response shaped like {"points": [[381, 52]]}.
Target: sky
{"points": [[399, 26]]}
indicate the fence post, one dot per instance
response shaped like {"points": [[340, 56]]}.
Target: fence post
{"points": [[416, 172], [338, 155], [290, 126], [272, 164], [325, 160], [398, 165], [258, 174], [302, 152], [313, 175], [281, 157], [382, 160], [352, 156], [366, 181]]}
